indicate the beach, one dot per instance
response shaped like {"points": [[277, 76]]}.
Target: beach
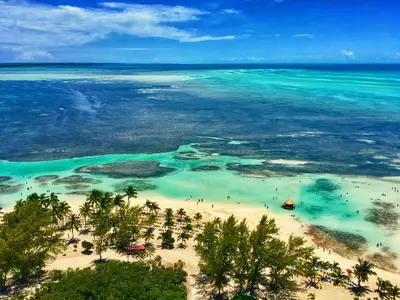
{"points": [[209, 210]]}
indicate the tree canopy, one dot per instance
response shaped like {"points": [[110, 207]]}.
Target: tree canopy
{"points": [[118, 280]]}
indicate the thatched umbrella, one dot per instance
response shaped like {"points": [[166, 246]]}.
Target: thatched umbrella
{"points": [[288, 204]]}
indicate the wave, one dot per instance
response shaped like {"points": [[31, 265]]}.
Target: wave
{"points": [[301, 134], [367, 141]]}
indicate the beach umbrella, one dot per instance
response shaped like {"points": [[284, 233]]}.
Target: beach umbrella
{"points": [[289, 202], [349, 271]]}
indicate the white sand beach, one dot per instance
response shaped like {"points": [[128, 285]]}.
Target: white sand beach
{"points": [[287, 225]]}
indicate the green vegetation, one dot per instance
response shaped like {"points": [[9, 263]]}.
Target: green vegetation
{"points": [[251, 262], [87, 246], [363, 270], [27, 240], [254, 260], [118, 280]]}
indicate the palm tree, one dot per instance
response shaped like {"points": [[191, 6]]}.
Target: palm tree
{"points": [[311, 269], [118, 201], [188, 227], [73, 223], [94, 197], [151, 220], [44, 200], [167, 239], [33, 197], [311, 296], [54, 201], [148, 235], [335, 266], [169, 218], [183, 237], [148, 205], [339, 277], [363, 270], [130, 192], [198, 217], [181, 213], [325, 265], [63, 209], [85, 210], [393, 292], [154, 208], [383, 287], [105, 203], [188, 220]]}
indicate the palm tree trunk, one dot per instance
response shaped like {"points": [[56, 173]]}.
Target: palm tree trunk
{"points": [[72, 232]]}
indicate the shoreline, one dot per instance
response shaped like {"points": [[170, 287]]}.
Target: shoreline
{"points": [[287, 225]]}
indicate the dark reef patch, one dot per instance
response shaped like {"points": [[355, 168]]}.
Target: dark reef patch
{"points": [[206, 168], [323, 185], [5, 178], [10, 189], [79, 193], [46, 178], [78, 186], [139, 169], [385, 260], [261, 171], [140, 185], [76, 179], [383, 214], [344, 243]]}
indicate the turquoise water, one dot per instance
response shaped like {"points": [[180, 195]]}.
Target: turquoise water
{"points": [[323, 208], [272, 131]]}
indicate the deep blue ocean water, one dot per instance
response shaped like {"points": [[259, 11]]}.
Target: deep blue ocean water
{"points": [[345, 116]]}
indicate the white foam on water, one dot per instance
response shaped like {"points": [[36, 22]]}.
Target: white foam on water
{"points": [[301, 134], [148, 78], [380, 157], [289, 162], [367, 141]]}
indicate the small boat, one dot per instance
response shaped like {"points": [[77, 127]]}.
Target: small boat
{"points": [[288, 204]]}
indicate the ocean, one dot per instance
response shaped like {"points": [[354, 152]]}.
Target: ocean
{"points": [[326, 136]]}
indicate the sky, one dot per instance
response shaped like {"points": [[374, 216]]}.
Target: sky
{"points": [[200, 31]]}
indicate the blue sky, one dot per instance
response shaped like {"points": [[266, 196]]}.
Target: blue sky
{"points": [[188, 31]]}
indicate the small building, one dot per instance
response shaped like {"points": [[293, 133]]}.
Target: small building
{"points": [[132, 250], [288, 204]]}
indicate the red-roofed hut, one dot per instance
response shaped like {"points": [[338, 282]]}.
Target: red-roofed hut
{"points": [[136, 249]]}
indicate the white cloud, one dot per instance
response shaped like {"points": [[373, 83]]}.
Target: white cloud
{"points": [[231, 11], [40, 26], [277, 35], [208, 38], [347, 53], [306, 35], [398, 54], [36, 55]]}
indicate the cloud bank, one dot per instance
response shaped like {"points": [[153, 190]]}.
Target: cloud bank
{"points": [[40, 26]]}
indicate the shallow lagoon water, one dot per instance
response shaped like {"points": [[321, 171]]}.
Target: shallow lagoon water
{"points": [[281, 127], [315, 205]]}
